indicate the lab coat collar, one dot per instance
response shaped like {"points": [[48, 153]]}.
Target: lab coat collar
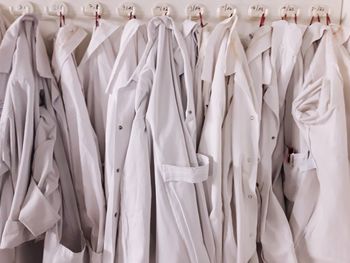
{"points": [[313, 33], [99, 35], [285, 34], [8, 47], [189, 26], [68, 38], [152, 35], [236, 62], [213, 46], [130, 29], [260, 42]]}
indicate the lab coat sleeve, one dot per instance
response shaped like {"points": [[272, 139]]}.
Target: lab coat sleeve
{"points": [[38, 213]]}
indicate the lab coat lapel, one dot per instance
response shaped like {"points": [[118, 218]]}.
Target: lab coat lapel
{"points": [[121, 79], [99, 35], [67, 41]]}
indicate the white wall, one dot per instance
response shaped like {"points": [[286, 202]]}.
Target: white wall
{"points": [[346, 13]]}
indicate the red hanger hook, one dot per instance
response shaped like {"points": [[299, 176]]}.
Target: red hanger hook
{"points": [[201, 20], [97, 17], [312, 20], [328, 19], [262, 20], [62, 19]]}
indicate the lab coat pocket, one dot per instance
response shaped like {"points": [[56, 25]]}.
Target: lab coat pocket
{"points": [[301, 188], [56, 252]]}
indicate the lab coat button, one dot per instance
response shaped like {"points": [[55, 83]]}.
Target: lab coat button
{"points": [[115, 214], [120, 127], [189, 112], [252, 117], [273, 137], [250, 196], [117, 170]]}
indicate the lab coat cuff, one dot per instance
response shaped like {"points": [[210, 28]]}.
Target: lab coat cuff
{"points": [[37, 214]]}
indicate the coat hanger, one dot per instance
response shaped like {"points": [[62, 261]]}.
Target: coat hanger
{"points": [[226, 11], [290, 11], [93, 9], [320, 11], [59, 9], [127, 10], [22, 8], [258, 11], [161, 9], [196, 12]]}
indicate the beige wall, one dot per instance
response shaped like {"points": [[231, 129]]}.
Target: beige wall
{"points": [[346, 12]]}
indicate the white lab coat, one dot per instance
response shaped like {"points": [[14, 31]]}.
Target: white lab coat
{"points": [[176, 169], [30, 193], [211, 138], [343, 36], [84, 154], [319, 110], [95, 70], [196, 39], [274, 235], [243, 141], [6, 255], [286, 43], [120, 115], [300, 184]]}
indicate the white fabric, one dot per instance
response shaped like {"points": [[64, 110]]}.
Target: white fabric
{"points": [[319, 111], [84, 154], [95, 70], [211, 138], [120, 115], [28, 133], [176, 173]]}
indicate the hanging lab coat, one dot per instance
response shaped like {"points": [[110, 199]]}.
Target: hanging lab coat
{"points": [[95, 70], [300, 184], [286, 43], [84, 158], [243, 139], [274, 235], [342, 35], [211, 138], [177, 230], [4, 24], [30, 193], [6, 255], [259, 62], [196, 38], [120, 115], [311, 38], [319, 111]]}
